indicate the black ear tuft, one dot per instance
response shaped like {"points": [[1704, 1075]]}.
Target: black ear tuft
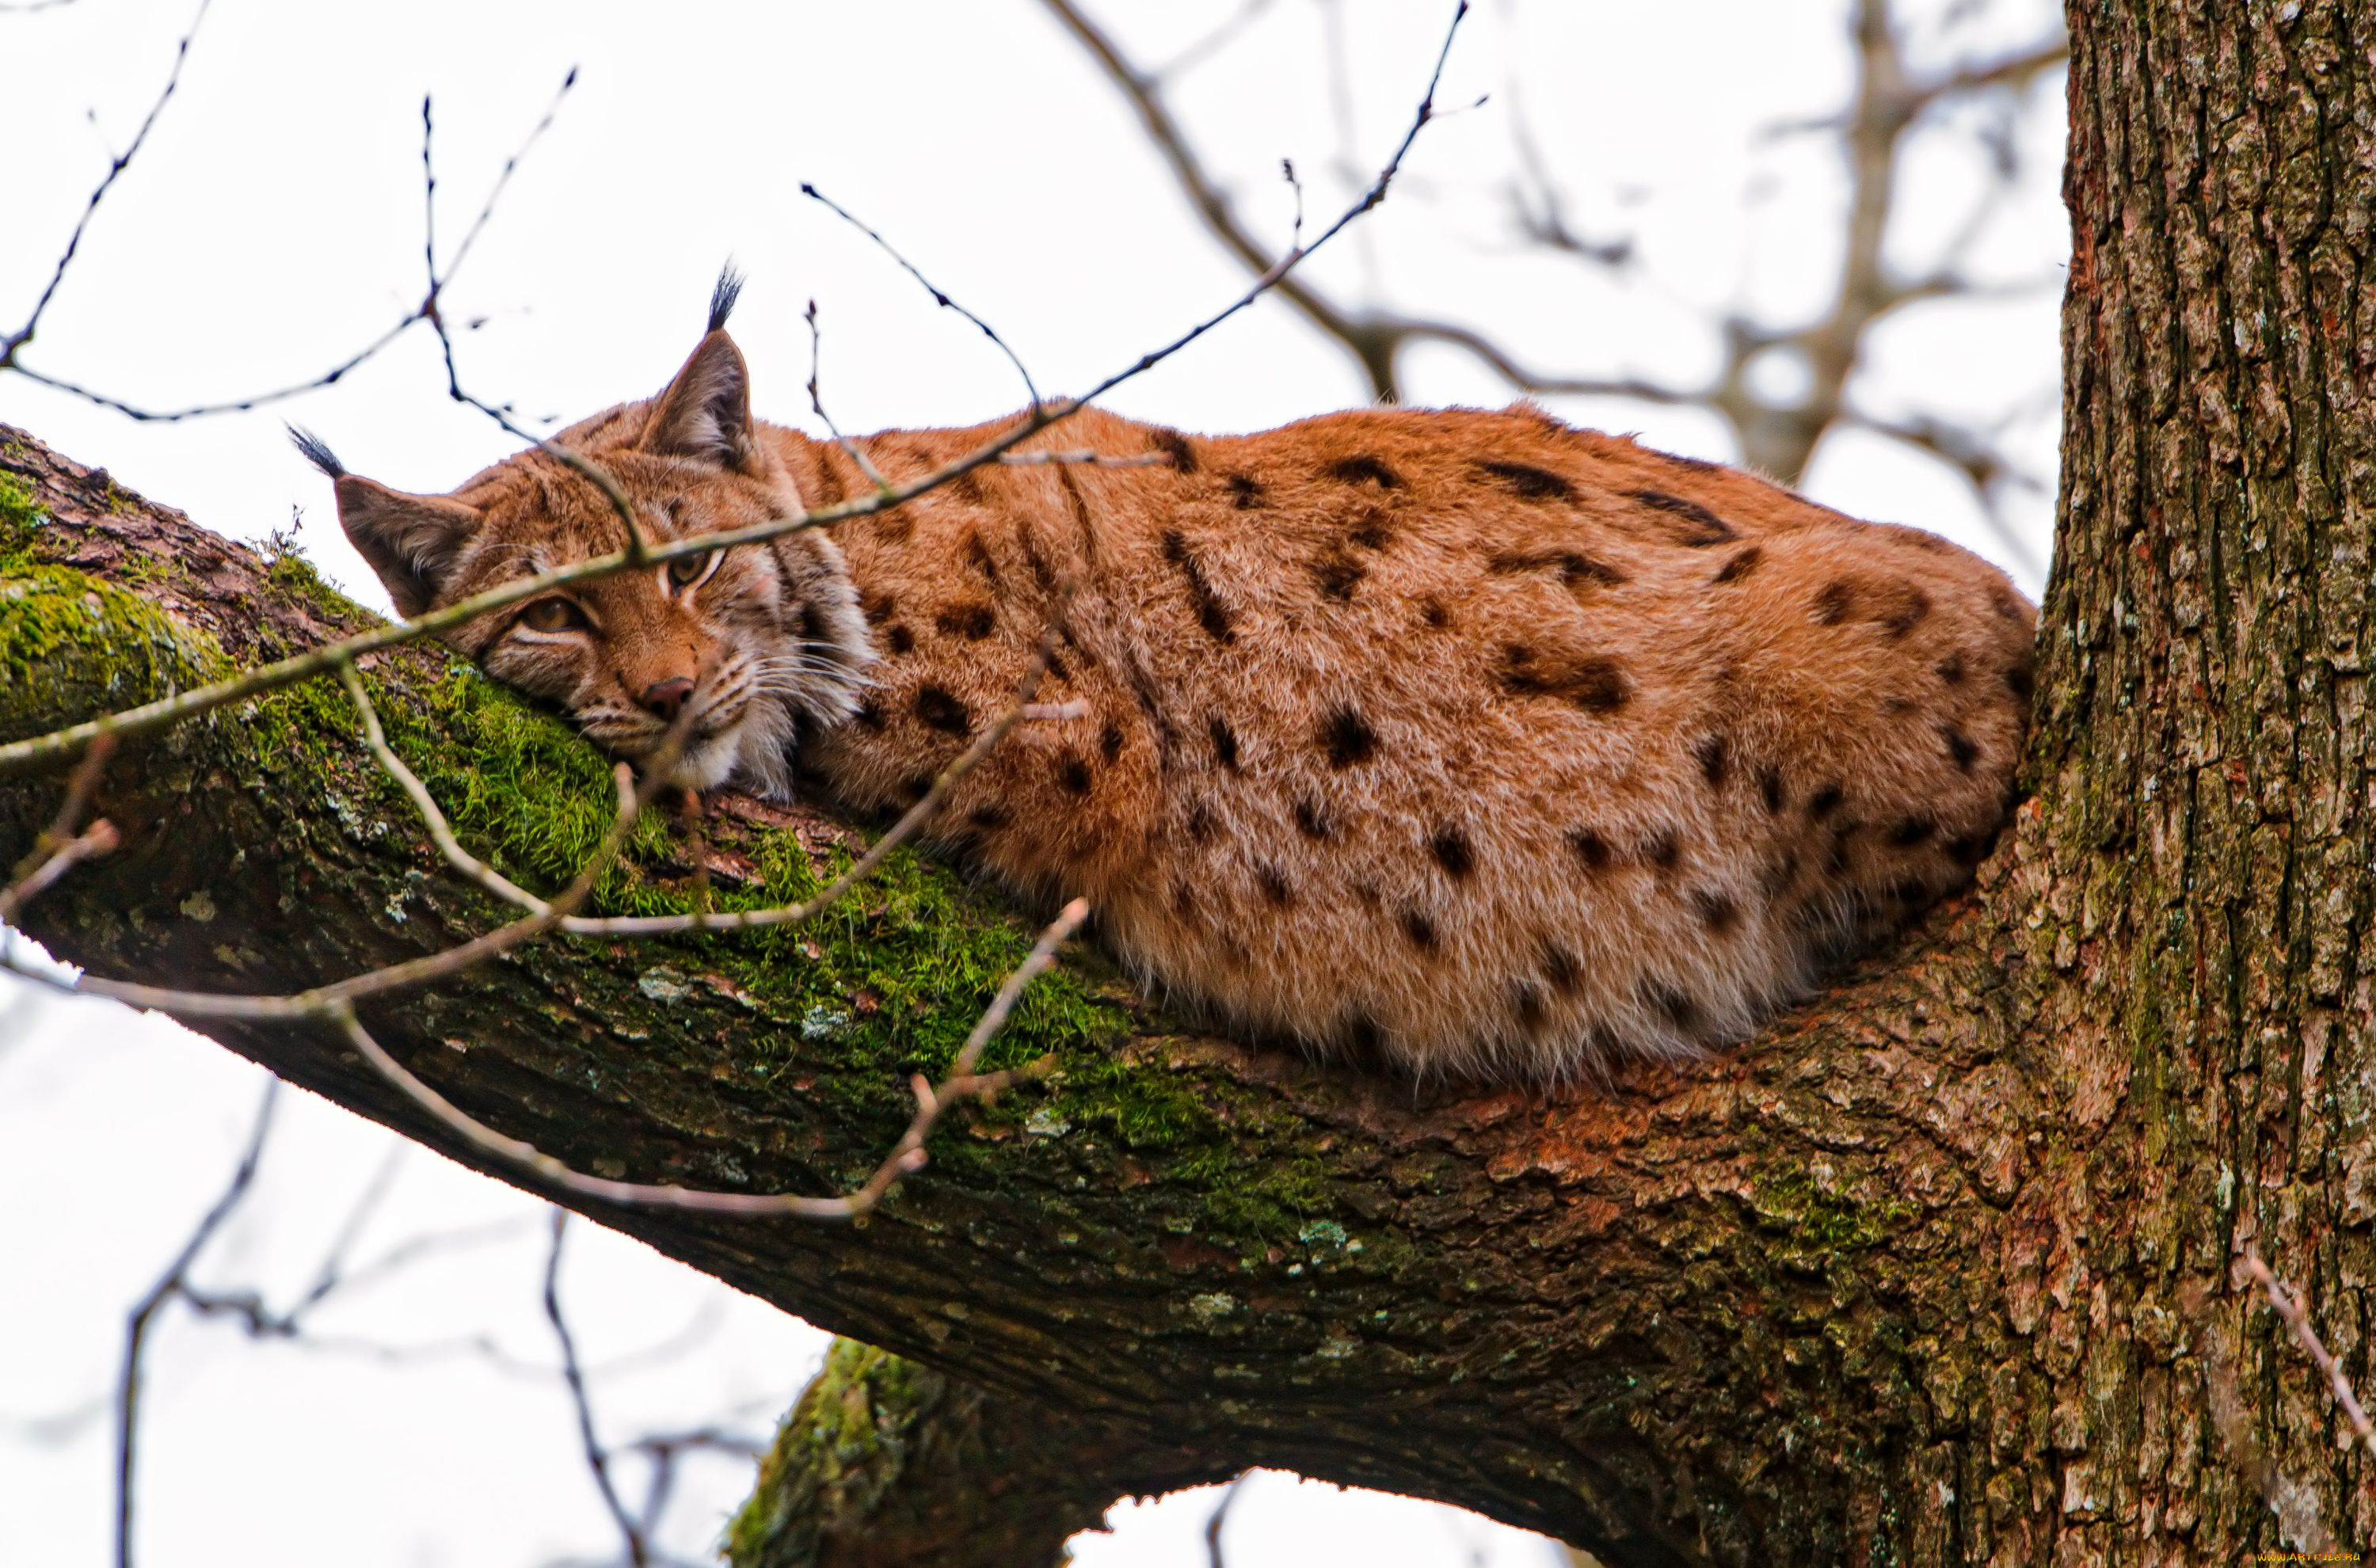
{"points": [[724, 294], [316, 452]]}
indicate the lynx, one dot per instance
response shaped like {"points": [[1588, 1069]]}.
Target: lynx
{"points": [[1456, 741]]}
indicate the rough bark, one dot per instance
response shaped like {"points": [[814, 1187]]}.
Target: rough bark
{"points": [[1937, 1271]]}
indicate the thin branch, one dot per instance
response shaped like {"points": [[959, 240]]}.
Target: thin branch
{"points": [[2016, 71], [596, 1460], [2289, 1307], [127, 1403], [1214, 1556], [1197, 52], [428, 310], [115, 168], [441, 833], [940, 297], [817, 401], [1085, 459]]}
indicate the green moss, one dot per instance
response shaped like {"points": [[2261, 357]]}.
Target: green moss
{"points": [[842, 1448], [20, 519], [1823, 1216], [71, 645]]}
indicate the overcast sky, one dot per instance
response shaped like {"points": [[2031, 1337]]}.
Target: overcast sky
{"points": [[274, 224]]}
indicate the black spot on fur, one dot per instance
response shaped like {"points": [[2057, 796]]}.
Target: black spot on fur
{"points": [[919, 785], [1716, 759], [1777, 877], [812, 623], [2006, 606], [1174, 445], [1575, 569], [1109, 742], [877, 607], [1739, 566], [968, 486], [1434, 614], [1702, 527], [1951, 669], [1211, 613], [894, 528], [1224, 740], [1833, 602], [1590, 847], [1769, 785], [1450, 847], [1907, 609], [1376, 530], [973, 621], [1717, 910], [1310, 819], [1529, 483], [1339, 575], [900, 639], [869, 714], [1200, 823], [1843, 850], [1184, 898], [1825, 801], [1042, 573], [1074, 775], [2021, 680], [1593, 683], [1910, 831], [1526, 1006], [1347, 737], [1273, 883], [940, 710], [1968, 850], [1664, 851], [1245, 492], [1697, 465], [1677, 1004], [1420, 928], [987, 818], [1960, 746], [1363, 468], [978, 553], [1560, 968], [1057, 667]]}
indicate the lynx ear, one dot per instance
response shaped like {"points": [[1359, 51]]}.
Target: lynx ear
{"points": [[706, 413], [411, 540]]}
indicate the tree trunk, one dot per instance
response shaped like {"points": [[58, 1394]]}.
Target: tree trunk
{"points": [[1941, 1270]]}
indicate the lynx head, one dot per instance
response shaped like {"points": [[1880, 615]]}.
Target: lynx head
{"points": [[745, 643]]}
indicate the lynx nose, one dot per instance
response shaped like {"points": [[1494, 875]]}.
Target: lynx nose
{"points": [[667, 698]]}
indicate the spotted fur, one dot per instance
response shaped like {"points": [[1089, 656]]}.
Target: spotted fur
{"points": [[1454, 741]]}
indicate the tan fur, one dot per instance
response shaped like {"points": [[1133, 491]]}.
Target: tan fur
{"points": [[1464, 741]]}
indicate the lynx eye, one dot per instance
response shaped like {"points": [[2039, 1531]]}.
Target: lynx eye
{"points": [[554, 615], [687, 570]]}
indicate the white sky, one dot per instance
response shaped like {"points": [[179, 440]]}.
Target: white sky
{"points": [[274, 224]]}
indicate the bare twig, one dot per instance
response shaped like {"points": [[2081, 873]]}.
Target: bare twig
{"points": [[127, 1402], [940, 297], [429, 309], [441, 833], [2289, 1307], [115, 168], [598, 1460], [1220, 1518], [817, 401]]}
